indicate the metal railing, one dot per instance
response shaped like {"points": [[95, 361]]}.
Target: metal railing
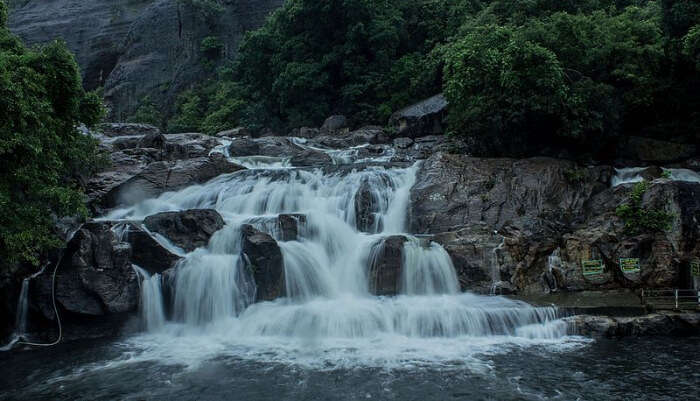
{"points": [[668, 298]]}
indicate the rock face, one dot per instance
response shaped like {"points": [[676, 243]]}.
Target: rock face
{"points": [[264, 258], [189, 229], [138, 48], [385, 266], [421, 119], [335, 124], [531, 222]]}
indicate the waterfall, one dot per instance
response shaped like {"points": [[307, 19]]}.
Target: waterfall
{"points": [[496, 266], [151, 309], [344, 216], [427, 270]]}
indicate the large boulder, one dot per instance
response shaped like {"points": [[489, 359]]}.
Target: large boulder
{"points": [[335, 124], [159, 177], [188, 229], [421, 119], [310, 157], [385, 266], [264, 257], [95, 276], [266, 146]]}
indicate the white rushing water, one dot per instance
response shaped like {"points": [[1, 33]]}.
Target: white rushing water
{"points": [[328, 314], [634, 174]]}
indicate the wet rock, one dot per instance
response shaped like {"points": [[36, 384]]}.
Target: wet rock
{"points": [[403, 143], [656, 324], [310, 157], [291, 226], [188, 229], [652, 173], [475, 254], [147, 252], [264, 258], [421, 119], [95, 276], [159, 177], [366, 205], [335, 124], [385, 266]]}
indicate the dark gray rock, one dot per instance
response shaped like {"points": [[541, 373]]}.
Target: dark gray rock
{"points": [[264, 258], [657, 324], [291, 226], [335, 124], [655, 150], [159, 177], [95, 276], [366, 204], [188, 229], [310, 157], [265, 146], [421, 119], [385, 266]]}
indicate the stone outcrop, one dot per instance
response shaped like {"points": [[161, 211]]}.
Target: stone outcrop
{"points": [[502, 219], [335, 124], [385, 266], [138, 48], [421, 119], [264, 258], [188, 229]]}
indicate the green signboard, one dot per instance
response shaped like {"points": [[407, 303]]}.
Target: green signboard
{"points": [[695, 267], [592, 267], [629, 265]]}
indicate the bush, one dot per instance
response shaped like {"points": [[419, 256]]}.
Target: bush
{"points": [[640, 220]]}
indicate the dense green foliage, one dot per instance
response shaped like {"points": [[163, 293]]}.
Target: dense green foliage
{"points": [[639, 219], [519, 74], [42, 102]]}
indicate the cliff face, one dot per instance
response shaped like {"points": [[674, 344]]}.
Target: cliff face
{"points": [[135, 48]]}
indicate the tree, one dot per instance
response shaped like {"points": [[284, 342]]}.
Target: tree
{"points": [[42, 102], [503, 90]]}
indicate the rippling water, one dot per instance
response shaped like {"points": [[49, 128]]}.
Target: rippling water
{"points": [[630, 369]]}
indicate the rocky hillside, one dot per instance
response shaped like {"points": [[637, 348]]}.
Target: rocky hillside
{"points": [[138, 48]]}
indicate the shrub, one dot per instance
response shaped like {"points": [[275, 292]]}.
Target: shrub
{"points": [[640, 220]]}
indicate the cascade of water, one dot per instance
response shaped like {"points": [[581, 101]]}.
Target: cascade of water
{"points": [[427, 270], [496, 266], [553, 262], [151, 310], [345, 213], [22, 312]]}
